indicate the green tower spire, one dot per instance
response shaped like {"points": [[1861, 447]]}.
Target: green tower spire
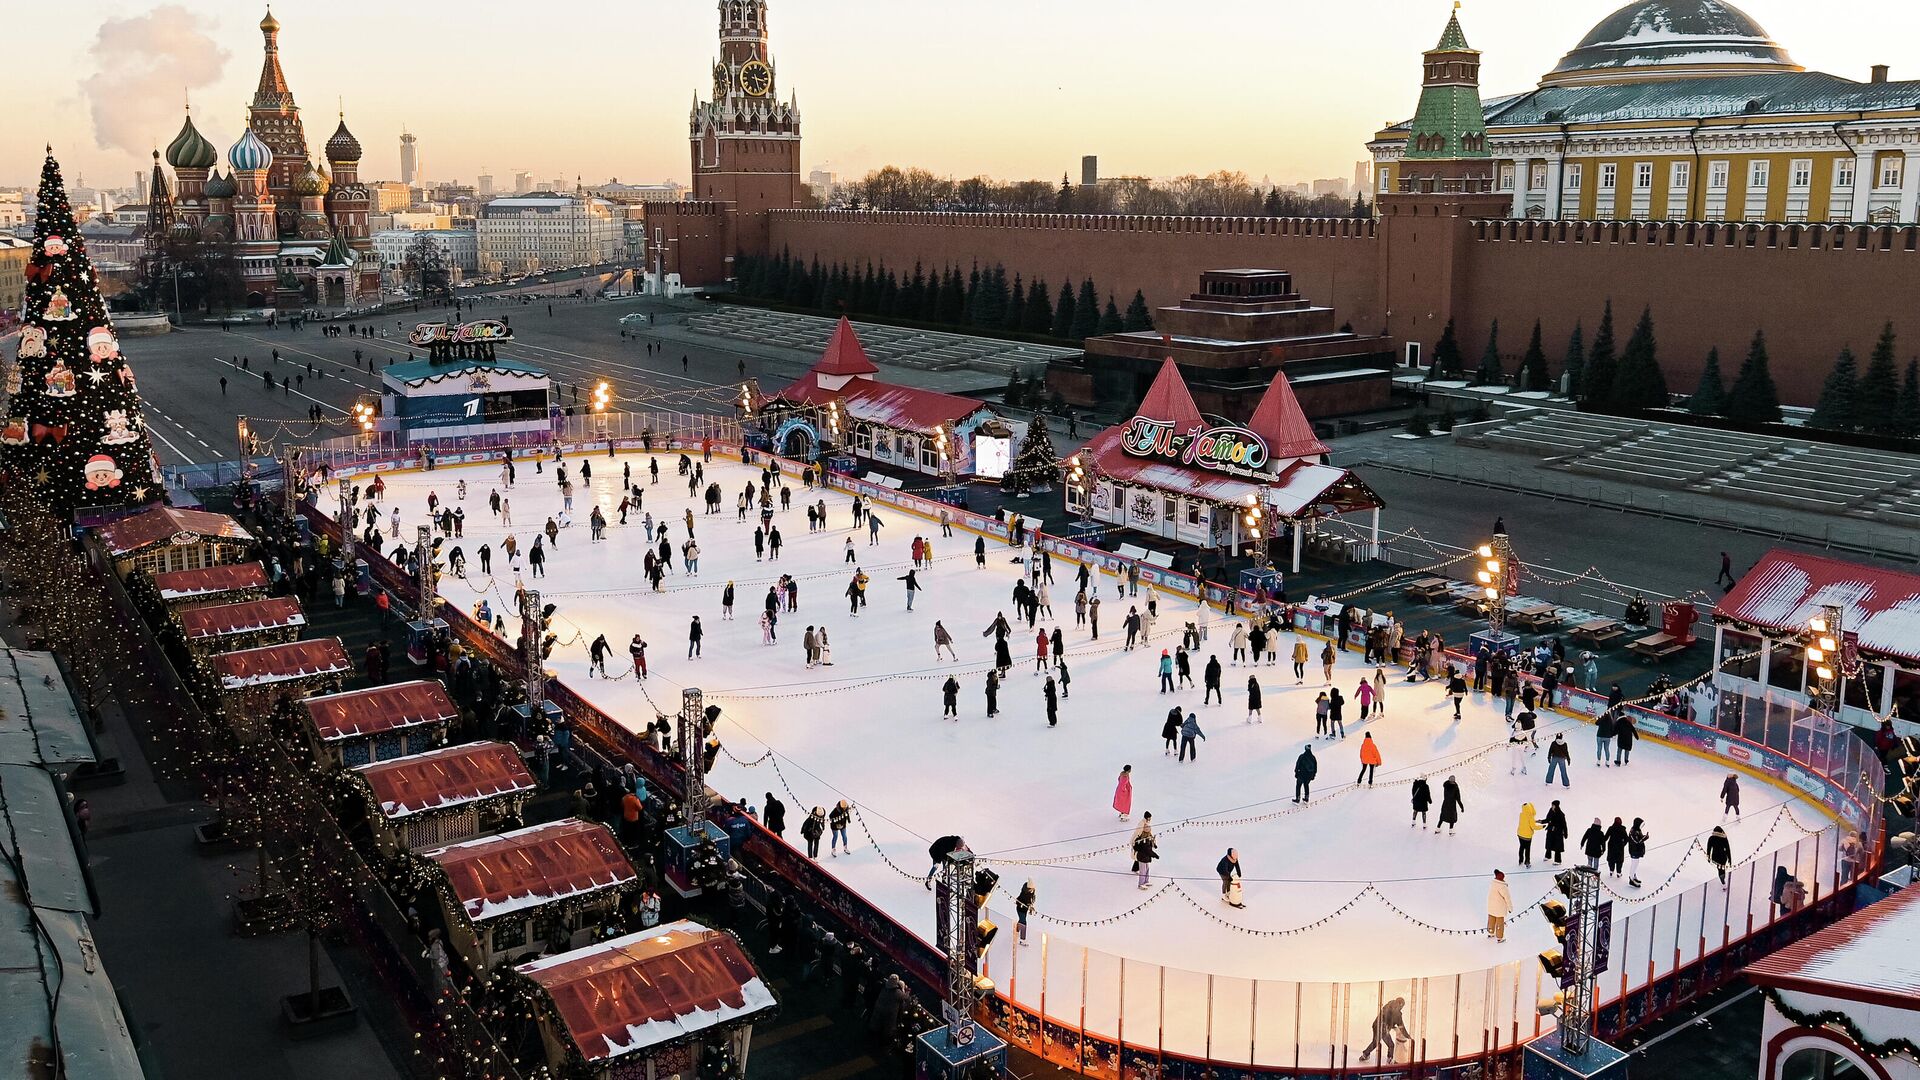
{"points": [[1450, 123]]}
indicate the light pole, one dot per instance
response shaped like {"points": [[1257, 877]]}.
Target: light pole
{"points": [[1827, 661], [1494, 575], [1255, 521], [602, 397]]}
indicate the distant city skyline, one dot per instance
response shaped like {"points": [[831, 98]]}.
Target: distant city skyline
{"points": [[1273, 91]]}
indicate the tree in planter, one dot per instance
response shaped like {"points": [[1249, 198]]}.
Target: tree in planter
{"points": [[1639, 383], [1036, 467], [1907, 417], [1418, 424], [1445, 422], [1086, 312], [1710, 397], [76, 429], [1063, 313], [1754, 399], [1016, 392], [1879, 389], [1573, 369], [1596, 380], [1838, 408], [1447, 362], [1489, 373], [1533, 366], [1138, 316]]}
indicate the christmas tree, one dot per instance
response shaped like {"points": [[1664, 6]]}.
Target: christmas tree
{"points": [[1035, 466], [74, 427]]}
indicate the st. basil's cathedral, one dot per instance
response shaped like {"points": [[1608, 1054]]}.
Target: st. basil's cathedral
{"points": [[299, 232]]}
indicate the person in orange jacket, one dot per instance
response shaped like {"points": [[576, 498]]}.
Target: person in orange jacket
{"points": [[1369, 759]]}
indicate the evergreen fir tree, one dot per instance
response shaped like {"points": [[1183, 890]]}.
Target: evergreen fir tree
{"points": [[1907, 416], [992, 313], [1086, 312], [1533, 366], [1754, 399], [953, 298], [1447, 362], [1063, 313], [1596, 382], [1360, 208], [1879, 389], [1139, 316], [913, 298], [1489, 373], [971, 310], [819, 276], [930, 298], [1016, 306], [1063, 201], [1015, 394], [1035, 467], [1639, 383], [1838, 408], [1270, 206], [799, 286], [1574, 368], [1110, 321], [889, 294], [1710, 397], [1039, 318], [76, 429]]}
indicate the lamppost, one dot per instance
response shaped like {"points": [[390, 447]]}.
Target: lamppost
{"points": [[1493, 578], [1080, 480], [602, 397], [363, 420], [1254, 519], [1827, 661]]}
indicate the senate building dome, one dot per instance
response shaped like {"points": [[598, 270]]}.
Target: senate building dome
{"points": [[1671, 39]]}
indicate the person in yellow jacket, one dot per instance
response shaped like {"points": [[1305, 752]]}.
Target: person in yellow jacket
{"points": [[1299, 663], [1528, 826]]}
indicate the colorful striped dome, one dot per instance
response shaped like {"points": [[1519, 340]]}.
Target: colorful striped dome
{"points": [[219, 187], [250, 154], [189, 150]]}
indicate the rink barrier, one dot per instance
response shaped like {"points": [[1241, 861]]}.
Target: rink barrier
{"points": [[1464, 1020]]}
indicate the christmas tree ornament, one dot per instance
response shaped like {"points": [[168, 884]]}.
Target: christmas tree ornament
{"points": [[59, 380], [12, 377], [59, 308], [13, 431], [102, 346], [33, 342], [102, 472], [54, 246], [119, 429], [54, 433]]}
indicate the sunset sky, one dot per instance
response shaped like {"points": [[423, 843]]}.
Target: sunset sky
{"points": [[1011, 88]]}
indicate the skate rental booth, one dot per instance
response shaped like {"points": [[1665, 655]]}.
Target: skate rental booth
{"points": [[1174, 473], [923, 431], [1771, 613], [165, 539], [226, 584], [462, 389]]}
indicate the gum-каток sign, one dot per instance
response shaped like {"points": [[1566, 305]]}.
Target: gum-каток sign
{"points": [[1225, 448]]}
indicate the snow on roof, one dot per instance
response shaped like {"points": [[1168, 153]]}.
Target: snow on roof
{"points": [[906, 408], [449, 776], [281, 663], [1786, 589], [844, 354], [1169, 399], [246, 617], [379, 709], [209, 580], [166, 524], [1868, 956], [647, 989], [1281, 422], [1296, 489], [498, 875]]}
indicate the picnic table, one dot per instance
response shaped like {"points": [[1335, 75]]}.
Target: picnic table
{"points": [[1657, 646], [1599, 631], [1533, 614], [1428, 590]]}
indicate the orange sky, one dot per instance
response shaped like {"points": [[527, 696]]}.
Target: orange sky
{"points": [[1011, 88]]}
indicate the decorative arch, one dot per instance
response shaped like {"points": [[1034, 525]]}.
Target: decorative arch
{"points": [[1782, 1047], [797, 438]]}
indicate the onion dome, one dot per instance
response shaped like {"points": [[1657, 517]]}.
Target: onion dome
{"points": [[250, 154], [269, 23], [219, 187], [1665, 39], [343, 146], [189, 150], [310, 182]]}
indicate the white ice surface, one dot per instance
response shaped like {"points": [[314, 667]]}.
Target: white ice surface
{"points": [[869, 729]]}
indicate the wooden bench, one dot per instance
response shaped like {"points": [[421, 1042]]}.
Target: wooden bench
{"points": [[1428, 590], [1534, 616], [1599, 631], [1657, 646]]}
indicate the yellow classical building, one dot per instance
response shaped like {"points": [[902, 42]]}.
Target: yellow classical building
{"points": [[1686, 110]]}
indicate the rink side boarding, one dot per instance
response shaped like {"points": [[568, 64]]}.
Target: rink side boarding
{"points": [[1111, 1016]]}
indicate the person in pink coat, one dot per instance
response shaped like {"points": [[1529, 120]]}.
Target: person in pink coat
{"points": [[1123, 792], [1364, 695]]}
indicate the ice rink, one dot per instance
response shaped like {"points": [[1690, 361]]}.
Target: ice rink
{"points": [[1369, 896]]}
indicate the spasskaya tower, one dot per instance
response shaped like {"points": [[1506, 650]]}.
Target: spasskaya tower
{"points": [[746, 158]]}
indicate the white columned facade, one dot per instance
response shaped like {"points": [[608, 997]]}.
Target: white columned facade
{"points": [[1520, 166], [1863, 181], [1909, 186], [1555, 168]]}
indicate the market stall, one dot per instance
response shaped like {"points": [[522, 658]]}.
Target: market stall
{"points": [[165, 539], [443, 796], [379, 723]]}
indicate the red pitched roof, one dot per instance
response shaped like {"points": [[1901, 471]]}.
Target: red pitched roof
{"points": [[1868, 956], [1786, 589], [162, 523], [845, 355], [279, 663], [1283, 424], [650, 988], [208, 580], [495, 875], [379, 709], [1294, 491], [905, 408], [1169, 399], [445, 777], [219, 620]]}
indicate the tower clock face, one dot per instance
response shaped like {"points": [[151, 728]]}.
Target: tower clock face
{"points": [[756, 78]]}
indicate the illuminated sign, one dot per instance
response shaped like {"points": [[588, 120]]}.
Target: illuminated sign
{"points": [[1225, 448], [441, 333]]}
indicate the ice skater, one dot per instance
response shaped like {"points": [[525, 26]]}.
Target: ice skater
{"points": [[942, 639], [1593, 844], [1451, 804], [1189, 731], [1123, 792], [1231, 877], [1170, 730], [1528, 826], [1720, 852], [1556, 830], [1616, 847], [1558, 756], [1637, 838], [1369, 759], [1305, 768], [949, 692], [1730, 795], [1499, 906], [1422, 799], [1253, 700], [837, 820], [1211, 680], [1388, 1026], [1145, 849]]}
